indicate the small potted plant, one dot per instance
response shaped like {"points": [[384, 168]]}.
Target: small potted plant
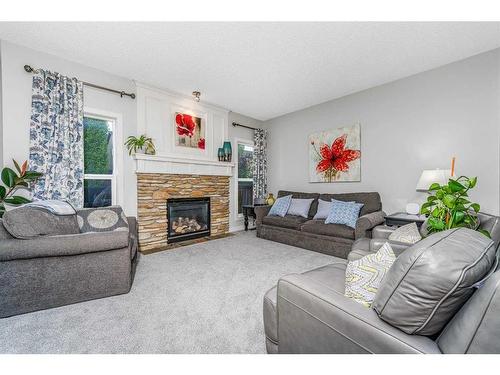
{"points": [[15, 182], [141, 143]]}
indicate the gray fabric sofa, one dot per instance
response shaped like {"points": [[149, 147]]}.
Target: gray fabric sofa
{"points": [[308, 313], [332, 239], [52, 271]]}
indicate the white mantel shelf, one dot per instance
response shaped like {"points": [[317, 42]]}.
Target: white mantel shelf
{"points": [[176, 165]]}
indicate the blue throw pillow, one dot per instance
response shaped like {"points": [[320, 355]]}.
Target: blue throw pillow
{"points": [[280, 207], [346, 213]]}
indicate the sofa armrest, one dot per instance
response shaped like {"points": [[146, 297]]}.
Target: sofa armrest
{"points": [[367, 222], [260, 213], [397, 247], [63, 245], [314, 318], [132, 236], [382, 231]]}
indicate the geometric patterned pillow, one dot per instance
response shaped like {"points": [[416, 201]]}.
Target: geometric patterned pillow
{"points": [[280, 207], [364, 276], [346, 213], [102, 219], [407, 233]]}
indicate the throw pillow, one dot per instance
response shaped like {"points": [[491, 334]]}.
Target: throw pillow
{"points": [[102, 219], [27, 222], [364, 276], [407, 233], [346, 213], [324, 208], [280, 207], [430, 281], [300, 207]]}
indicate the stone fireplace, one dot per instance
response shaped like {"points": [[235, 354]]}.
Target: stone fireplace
{"points": [[154, 190]]}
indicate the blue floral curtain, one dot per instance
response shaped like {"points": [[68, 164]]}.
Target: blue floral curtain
{"points": [[56, 137], [259, 163]]}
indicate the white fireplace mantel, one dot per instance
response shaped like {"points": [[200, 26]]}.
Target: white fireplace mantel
{"points": [[177, 165]]}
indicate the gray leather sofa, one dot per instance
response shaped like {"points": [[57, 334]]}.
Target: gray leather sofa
{"points": [[52, 271], [332, 239], [381, 233], [308, 313]]}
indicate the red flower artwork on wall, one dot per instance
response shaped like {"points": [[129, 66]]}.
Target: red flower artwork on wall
{"points": [[201, 143], [333, 161], [185, 124]]}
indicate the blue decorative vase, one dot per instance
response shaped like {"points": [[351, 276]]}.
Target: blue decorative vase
{"points": [[228, 152], [220, 154]]}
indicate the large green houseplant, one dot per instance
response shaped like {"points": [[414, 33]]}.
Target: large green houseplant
{"points": [[12, 182], [449, 206]]}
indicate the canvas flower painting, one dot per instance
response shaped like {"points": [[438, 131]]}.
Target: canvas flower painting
{"points": [[189, 131], [334, 155]]}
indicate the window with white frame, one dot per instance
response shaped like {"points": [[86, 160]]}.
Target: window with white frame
{"points": [[245, 174], [99, 160]]}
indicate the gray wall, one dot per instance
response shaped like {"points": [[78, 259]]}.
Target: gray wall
{"points": [[16, 94], [412, 124]]}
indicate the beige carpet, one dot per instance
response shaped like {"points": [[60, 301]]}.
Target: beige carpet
{"points": [[203, 298]]}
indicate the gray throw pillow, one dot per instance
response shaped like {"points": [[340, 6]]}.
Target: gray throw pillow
{"points": [[430, 281], [27, 222], [300, 207], [102, 219], [407, 233], [324, 209]]}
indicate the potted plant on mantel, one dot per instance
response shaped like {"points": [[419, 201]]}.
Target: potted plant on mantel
{"points": [[141, 143], [14, 184], [449, 206]]}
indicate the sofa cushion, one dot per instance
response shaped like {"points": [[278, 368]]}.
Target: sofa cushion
{"points": [[4, 234], [300, 207], [430, 281], [280, 207], [102, 219], [288, 221], [346, 213], [364, 276], [299, 195], [371, 201], [332, 275], [27, 222], [334, 230], [324, 208]]}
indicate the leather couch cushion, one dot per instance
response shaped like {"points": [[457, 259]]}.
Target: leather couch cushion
{"points": [[299, 195], [331, 275], [334, 230], [430, 281], [288, 221], [30, 222], [371, 201]]}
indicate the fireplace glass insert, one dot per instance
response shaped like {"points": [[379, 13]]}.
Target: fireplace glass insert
{"points": [[188, 218]]}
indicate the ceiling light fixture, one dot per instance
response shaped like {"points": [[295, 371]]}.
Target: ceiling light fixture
{"points": [[196, 95]]}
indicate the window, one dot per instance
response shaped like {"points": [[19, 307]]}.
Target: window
{"points": [[245, 175], [99, 187]]}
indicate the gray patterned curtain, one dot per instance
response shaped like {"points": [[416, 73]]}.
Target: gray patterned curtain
{"points": [[259, 163], [56, 137]]}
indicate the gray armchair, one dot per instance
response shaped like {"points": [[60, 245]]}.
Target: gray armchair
{"points": [[51, 271]]}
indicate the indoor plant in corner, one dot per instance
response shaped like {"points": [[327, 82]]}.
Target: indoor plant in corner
{"points": [[14, 181], [142, 143], [449, 206]]}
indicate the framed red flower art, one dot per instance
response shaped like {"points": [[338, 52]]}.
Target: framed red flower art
{"points": [[189, 130], [334, 155]]}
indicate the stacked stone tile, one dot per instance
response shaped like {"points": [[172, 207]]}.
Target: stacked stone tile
{"points": [[153, 189]]}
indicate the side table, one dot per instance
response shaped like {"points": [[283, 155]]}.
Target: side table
{"points": [[249, 210], [399, 219]]}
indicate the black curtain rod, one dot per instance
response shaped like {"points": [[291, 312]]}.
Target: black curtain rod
{"points": [[29, 69], [244, 126]]}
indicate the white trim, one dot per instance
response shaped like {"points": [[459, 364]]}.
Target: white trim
{"points": [[117, 184]]}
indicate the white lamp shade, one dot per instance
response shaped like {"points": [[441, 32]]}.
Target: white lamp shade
{"points": [[430, 176]]}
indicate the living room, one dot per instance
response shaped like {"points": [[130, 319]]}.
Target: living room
{"points": [[249, 187]]}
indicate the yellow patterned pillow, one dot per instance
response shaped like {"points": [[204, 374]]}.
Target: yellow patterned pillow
{"points": [[364, 276]]}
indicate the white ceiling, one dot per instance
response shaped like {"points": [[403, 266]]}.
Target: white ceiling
{"points": [[261, 70]]}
